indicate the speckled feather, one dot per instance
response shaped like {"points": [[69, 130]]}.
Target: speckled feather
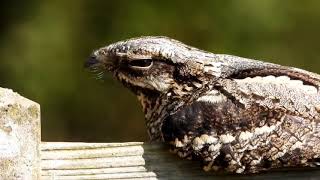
{"points": [[231, 113]]}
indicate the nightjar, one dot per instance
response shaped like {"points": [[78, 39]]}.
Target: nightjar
{"points": [[231, 113]]}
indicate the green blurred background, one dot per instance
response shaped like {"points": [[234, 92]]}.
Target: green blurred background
{"points": [[43, 45]]}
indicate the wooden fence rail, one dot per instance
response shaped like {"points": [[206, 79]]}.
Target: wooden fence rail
{"points": [[23, 155], [113, 161]]}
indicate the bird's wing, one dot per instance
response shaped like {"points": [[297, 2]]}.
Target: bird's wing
{"points": [[249, 82], [275, 92], [238, 68]]}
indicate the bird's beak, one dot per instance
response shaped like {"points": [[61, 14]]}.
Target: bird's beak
{"points": [[91, 61], [101, 60]]}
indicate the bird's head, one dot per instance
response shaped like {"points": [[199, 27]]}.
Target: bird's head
{"points": [[154, 64]]}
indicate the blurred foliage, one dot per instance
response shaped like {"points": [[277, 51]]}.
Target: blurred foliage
{"points": [[43, 45]]}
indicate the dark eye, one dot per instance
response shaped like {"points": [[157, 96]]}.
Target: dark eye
{"points": [[141, 63]]}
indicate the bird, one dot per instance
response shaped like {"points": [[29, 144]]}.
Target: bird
{"points": [[233, 114]]}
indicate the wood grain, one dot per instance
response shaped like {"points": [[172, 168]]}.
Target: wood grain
{"points": [[134, 160]]}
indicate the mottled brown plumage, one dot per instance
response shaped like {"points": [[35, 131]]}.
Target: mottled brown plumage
{"points": [[233, 114]]}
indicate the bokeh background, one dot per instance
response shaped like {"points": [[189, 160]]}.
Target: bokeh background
{"points": [[43, 45]]}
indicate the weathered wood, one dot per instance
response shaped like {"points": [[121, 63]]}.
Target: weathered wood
{"points": [[133, 160], [19, 136]]}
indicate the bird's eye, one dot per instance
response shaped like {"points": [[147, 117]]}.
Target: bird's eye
{"points": [[141, 63]]}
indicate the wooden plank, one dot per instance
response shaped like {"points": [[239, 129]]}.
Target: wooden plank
{"points": [[135, 160]]}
